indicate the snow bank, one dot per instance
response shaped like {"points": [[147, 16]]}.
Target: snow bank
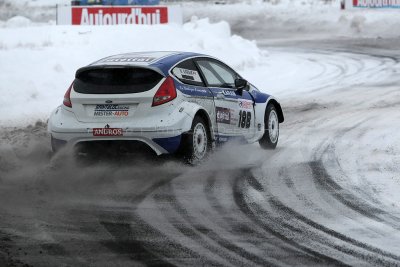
{"points": [[298, 19], [18, 21], [255, 18], [38, 63]]}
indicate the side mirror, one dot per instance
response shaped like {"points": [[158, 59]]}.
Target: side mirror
{"points": [[240, 83]]}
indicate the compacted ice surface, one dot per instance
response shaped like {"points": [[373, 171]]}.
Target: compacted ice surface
{"points": [[328, 195]]}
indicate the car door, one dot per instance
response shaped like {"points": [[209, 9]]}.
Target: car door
{"points": [[234, 111], [193, 87]]}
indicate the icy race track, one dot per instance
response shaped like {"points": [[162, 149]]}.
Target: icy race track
{"points": [[324, 197]]}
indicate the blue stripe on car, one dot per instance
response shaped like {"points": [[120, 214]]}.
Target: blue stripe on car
{"points": [[171, 144], [221, 139], [57, 144], [193, 90], [232, 94], [260, 97], [166, 63]]}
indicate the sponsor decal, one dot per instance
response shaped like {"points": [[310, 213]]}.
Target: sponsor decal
{"points": [[107, 132], [245, 104], [377, 3], [111, 110], [129, 59], [229, 92], [185, 74], [223, 115], [192, 90], [119, 15]]}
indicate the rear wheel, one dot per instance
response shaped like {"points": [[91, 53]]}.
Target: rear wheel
{"points": [[195, 144], [271, 134]]}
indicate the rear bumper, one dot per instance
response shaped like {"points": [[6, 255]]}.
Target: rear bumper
{"points": [[165, 138], [160, 146]]}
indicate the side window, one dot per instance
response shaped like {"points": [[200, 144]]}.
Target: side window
{"points": [[209, 74], [217, 74], [226, 74], [188, 73]]}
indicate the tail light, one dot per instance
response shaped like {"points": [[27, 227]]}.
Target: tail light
{"points": [[165, 93], [67, 97]]}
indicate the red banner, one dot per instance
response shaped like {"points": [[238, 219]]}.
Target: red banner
{"points": [[376, 3], [119, 15]]}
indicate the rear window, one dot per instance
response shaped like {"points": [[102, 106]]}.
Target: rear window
{"points": [[188, 73], [126, 80]]}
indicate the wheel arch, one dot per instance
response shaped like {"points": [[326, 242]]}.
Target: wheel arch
{"points": [[185, 144], [278, 107], [193, 110], [202, 113]]}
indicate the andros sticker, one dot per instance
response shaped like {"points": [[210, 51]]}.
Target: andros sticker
{"points": [[107, 132]]}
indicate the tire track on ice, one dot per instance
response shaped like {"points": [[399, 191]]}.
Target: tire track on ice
{"points": [[255, 232], [279, 206], [272, 225], [241, 256]]}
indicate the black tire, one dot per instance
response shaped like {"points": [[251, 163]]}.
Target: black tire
{"points": [[271, 129], [196, 143]]}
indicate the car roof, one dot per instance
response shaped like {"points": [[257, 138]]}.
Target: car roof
{"points": [[168, 58], [162, 61]]}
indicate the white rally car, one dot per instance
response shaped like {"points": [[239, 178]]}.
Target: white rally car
{"points": [[172, 102]]}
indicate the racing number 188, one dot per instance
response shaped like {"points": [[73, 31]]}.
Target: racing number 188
{"points": [[244, 119]]}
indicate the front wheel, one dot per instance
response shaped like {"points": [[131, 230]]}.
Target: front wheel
{"points": [[195, 144], [271, 132]]}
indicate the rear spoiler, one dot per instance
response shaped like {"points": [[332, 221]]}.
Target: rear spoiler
{"points": [[96, 67]]}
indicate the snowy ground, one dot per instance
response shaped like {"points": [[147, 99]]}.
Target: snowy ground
{"points": [[326, 196]]}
